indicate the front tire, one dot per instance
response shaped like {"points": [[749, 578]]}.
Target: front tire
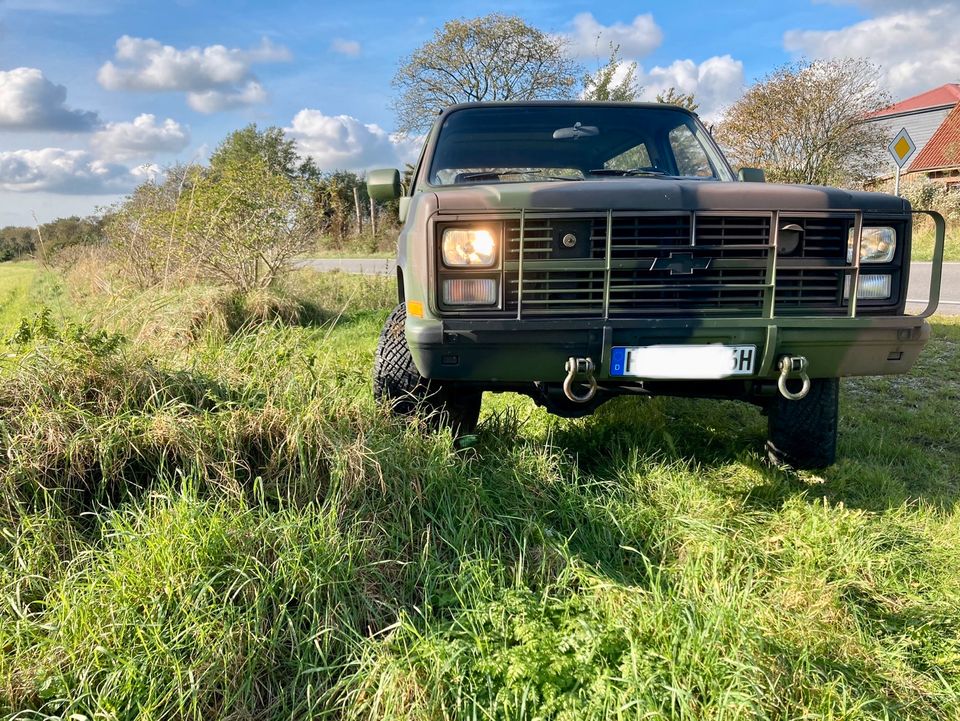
{"points": [[803, 433], [398, 385]]}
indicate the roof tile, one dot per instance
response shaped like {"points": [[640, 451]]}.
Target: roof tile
{"points": [[943, 148], [948, 94]]}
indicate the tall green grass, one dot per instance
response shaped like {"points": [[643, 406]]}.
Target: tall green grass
{"points": [[25, 289], [222, 525]]}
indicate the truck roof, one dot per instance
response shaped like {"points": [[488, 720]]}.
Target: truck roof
{"points": [[563, 103]]}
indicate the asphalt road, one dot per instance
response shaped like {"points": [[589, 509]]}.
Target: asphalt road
{"points": [[917, 292]]}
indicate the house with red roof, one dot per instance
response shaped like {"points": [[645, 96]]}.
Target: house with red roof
{"points": [[933, 121]]}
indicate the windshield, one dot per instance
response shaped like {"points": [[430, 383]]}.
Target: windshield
{"points": [[527, 143]]}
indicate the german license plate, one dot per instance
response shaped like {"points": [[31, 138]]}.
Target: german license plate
{"points": [[683, 362]]}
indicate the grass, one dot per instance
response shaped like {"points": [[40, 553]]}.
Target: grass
{"points": [[24, 289], [223, 526], [349, 253], [923, 240]]}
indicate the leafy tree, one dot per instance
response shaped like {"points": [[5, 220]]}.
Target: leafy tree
{"points": [[334, 205], [271, 144], [672, 96], [17, 242], [494, 57], [803, 123], [244, 224], [65, 232], [604, 84]]}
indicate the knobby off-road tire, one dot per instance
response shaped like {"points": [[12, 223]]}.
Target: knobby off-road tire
{"points": [[803, 433], [398, 385]]}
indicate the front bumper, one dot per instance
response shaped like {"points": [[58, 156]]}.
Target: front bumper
{"points": [[521, 351], [510, 351]]}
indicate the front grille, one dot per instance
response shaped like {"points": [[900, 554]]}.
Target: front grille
{"points": [[624, 265], [560, 292], [821, 237]]}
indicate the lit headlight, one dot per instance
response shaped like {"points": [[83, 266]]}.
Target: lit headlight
{"points": [[878, 245], [468, 246]]}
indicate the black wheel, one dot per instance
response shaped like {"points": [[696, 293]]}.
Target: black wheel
{"points": [[398, 385], [803, 433]]}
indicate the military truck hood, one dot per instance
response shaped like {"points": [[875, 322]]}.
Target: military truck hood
{"points": [[660, 194]]}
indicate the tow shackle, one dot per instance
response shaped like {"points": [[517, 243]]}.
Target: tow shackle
{"points": [[580, 367], [793, 367]]}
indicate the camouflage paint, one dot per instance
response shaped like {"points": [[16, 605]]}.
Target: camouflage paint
{"points": [[498, 352]]}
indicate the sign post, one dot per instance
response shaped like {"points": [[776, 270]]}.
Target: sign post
{"points": [[901, 150]]}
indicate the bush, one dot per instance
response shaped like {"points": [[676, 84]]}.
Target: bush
{"points": [[927, 194], [240, 226]]}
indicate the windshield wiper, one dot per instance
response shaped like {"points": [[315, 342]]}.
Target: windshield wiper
{"points": [[497, 176], [651, 172]]}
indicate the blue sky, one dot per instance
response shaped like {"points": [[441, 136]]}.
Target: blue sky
{"points": [[97, 94]]}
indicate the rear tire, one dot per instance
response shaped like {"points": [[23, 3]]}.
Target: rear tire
{"points": [[398, 385], [803, 433]]}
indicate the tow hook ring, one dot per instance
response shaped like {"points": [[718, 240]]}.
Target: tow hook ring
{"points": [[575, 367], [792, 367]]}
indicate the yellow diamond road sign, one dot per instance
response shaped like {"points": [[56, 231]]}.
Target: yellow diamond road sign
{"points": [[902, 148]]}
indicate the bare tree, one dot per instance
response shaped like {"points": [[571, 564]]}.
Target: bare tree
{"points": [[804, 123], [494, 57], [617, 80]]}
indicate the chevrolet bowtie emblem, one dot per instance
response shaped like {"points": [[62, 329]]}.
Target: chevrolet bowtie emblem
{"points": [[681, 264]]}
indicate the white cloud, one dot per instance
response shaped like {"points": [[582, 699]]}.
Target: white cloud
{"points": [[213, 101], [64, 171], [716, 82], [345, 47], [140, 139], [589, 38], [886, 6], [916, 48], [214, 78], [28, 101], [343, 142]]}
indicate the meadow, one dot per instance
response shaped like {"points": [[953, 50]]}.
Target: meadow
{"points": [[203, 515]]}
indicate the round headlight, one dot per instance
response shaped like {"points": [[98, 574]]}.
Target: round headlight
{"points": [[468, 246], [877, 245]]}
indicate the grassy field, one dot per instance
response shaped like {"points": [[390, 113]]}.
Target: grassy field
{"points": [[923, 237], [210, 519]]}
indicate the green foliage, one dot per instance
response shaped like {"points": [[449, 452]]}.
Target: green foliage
{"points": [[672, 96], [269, 145], [335, 204], [243, 219], [493, 57], [72, 336], [230, 529], [615, 81], [66, 232], [50, 239], [239, 223], [242, 224], [145, 230], [17, 242], [927, 194]]}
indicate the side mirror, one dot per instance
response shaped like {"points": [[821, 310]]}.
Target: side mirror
{"points": [[384, 185], [751, 175]]}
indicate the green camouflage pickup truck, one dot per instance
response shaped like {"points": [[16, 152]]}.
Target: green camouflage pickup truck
{"points": [[577, 251]]}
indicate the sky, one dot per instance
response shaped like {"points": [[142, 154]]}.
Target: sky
{"points": [[97, 96]]}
